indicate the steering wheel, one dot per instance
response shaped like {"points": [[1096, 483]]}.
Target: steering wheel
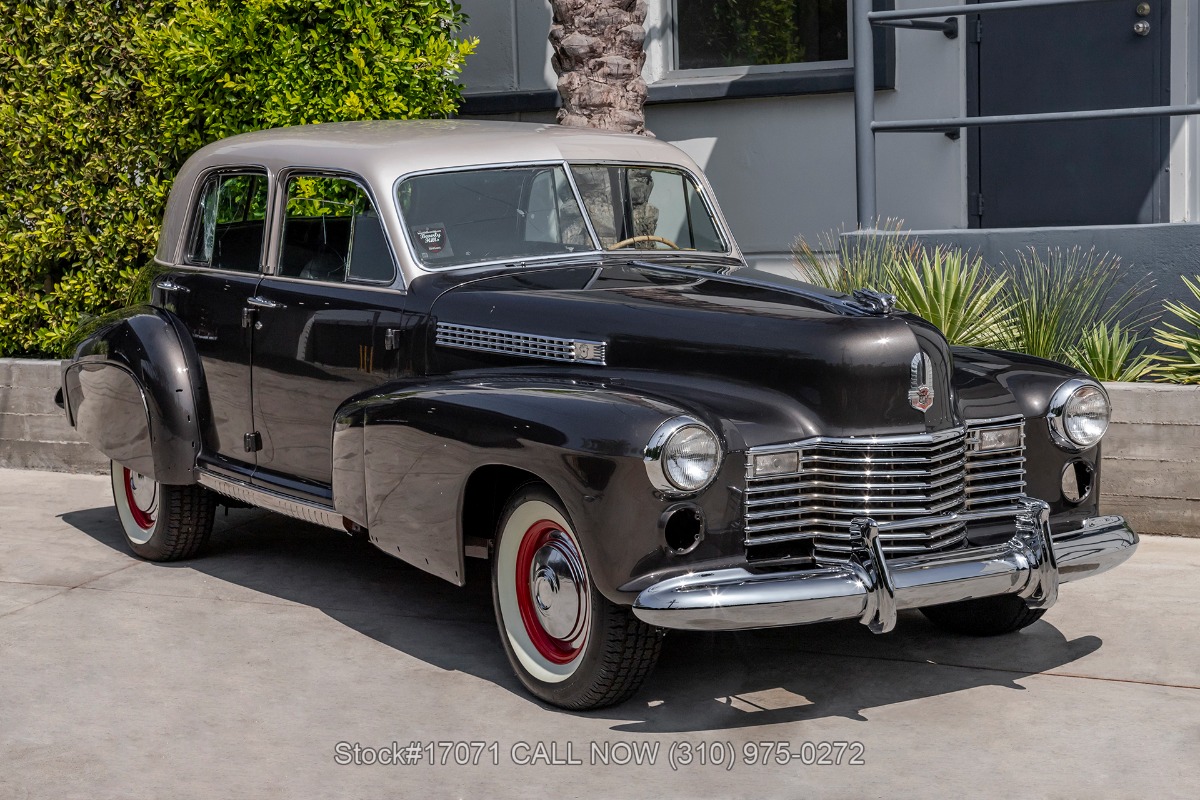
{"points": [[646, 238]]}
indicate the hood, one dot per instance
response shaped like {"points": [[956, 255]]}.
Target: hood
{"points": [[850, 370]]}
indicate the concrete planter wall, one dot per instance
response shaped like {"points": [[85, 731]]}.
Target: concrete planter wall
{"points": [[1151, 470], [34, 433]]}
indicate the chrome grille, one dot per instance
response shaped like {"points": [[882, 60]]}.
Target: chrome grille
{"points": [[887, 478], [490, 340], [997, 477]]}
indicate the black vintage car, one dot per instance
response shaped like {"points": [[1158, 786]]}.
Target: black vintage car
{"points": [[542, 347]]}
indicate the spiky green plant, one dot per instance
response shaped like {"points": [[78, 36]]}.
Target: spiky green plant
{"points": [[954, 291], [1059, 295], [1106, 352], [1182, 366], [845, 263]]}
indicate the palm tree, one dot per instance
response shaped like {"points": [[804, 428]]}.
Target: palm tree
{"points": [[598, 56]]}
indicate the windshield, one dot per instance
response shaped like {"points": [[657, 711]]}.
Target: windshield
{"points": [[475, 216]]}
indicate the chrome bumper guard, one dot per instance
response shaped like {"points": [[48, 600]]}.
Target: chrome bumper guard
{"points": [[872, 589]]}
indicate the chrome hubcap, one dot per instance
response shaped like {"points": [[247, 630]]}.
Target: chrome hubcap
{"points": [[144, 491], [557, 586]]}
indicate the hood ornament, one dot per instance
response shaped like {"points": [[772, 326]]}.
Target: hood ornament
{"points": [[920, 393], [877, 303]]}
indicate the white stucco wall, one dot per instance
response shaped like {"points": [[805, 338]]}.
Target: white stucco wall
{"points": [[784, 166]]}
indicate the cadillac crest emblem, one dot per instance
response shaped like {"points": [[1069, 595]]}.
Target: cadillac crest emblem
{"points": [[920, 393]]}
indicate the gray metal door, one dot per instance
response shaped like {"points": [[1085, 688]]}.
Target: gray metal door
{"points": [[1111, 54]]}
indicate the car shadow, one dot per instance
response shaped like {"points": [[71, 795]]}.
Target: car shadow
{"points": [[703, 681]]}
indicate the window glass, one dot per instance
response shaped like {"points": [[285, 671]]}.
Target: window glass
{"points": [[467, 217], [644, 208], [229, 220], [332, 232], [734, 33]]}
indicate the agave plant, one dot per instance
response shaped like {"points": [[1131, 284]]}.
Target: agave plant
{"points": [[1058, 296], [845, 263], [1184, 366], [1106, 353], [955, 292]]}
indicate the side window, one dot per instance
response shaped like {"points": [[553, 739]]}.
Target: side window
{"points": [[228, 222], [332, 232]]}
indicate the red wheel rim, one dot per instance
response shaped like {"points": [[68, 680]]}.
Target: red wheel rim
{"points": [[554, 650], [141, 517]]}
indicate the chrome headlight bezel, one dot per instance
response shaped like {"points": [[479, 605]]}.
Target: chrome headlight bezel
{"points": [[656, 452], [1058, 413]]}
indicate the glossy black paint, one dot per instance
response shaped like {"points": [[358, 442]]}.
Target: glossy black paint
{"points": [[391, 438], [130, 391], [321, 344]]}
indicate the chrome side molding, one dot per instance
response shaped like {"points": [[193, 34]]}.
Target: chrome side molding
{"points": [[271, 501], [515, 343]]}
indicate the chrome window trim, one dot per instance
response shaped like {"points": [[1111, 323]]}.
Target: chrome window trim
{"points": [[1054, 413], [702, 188], [411, 251], [271, 267]]}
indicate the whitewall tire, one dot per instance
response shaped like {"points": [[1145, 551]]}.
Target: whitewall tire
{"points": [[568, 644], [161, 522]]}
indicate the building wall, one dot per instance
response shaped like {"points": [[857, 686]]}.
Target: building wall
{"points": [[784, 166]]}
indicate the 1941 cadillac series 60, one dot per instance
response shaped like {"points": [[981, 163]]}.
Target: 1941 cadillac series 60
{"points": [[541, 346]]}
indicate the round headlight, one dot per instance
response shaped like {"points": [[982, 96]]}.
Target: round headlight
{"points": [[683, 456], [1078, 415]]}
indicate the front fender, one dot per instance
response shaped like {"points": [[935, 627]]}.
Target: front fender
{"points": [[129, 391], [402, 459]]}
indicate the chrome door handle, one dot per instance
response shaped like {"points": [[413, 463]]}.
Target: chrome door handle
{"points": [[262, 302], [171, 286]]}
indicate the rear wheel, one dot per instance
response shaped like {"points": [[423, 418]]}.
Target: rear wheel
{"points": [[161, 522], [568, 644], [984, 616]]}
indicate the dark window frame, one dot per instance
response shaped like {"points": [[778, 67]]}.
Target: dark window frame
{"points": [[279, 226], [682, 87], [195, 217]]}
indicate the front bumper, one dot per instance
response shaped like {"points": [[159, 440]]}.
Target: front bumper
{"points": [[872, 589]]}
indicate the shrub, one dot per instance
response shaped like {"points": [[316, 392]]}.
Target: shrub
{"points": [[845, 263], [955, 292], [101, 101], [1183, 364], [1107, 354], [1059, 295]]}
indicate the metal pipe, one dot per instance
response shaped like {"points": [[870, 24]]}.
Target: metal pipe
{"points": [[975, 8], [941, 125], [949, 26], [864, 113]]}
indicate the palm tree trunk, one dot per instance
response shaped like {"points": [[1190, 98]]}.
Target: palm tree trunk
{"points": [[598, 56]]}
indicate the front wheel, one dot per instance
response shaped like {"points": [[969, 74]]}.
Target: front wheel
{"points": [[568, 644], [984, 616], [161, 522]]}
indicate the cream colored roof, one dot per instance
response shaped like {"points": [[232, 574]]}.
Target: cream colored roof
{"points": [[382, 151]]}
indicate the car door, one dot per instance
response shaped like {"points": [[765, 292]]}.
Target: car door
{"points": [[327, 326], [219, 268]]}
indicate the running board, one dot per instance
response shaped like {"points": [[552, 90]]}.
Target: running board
{"points": [[271, 501]]}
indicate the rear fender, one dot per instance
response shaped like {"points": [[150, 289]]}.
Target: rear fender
{"points": [[129, 391]]}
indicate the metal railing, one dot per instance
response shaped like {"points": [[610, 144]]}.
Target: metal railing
{"points": [[865, 125]]}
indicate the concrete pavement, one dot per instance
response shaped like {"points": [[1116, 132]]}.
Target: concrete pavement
{"points": [[238, 674]]}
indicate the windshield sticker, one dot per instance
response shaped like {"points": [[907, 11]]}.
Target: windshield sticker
{"points": [[432, 238]]}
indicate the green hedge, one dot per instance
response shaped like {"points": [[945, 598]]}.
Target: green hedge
{"points": [[101, 101]]}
